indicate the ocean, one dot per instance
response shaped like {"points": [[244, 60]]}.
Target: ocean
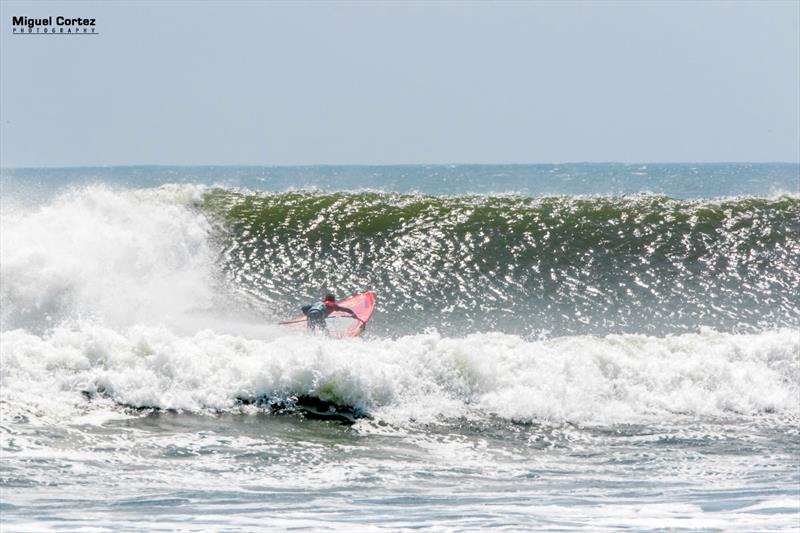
{"points": [[597, 347]]}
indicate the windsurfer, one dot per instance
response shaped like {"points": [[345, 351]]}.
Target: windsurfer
{"points": [[318, 312]]}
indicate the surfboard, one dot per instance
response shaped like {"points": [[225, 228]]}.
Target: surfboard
{"points": [[341, 324]]}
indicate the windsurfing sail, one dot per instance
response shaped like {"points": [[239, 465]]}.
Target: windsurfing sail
{"points": [[341, 324]]}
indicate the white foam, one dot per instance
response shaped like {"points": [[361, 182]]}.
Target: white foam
{"points": [[625, 378]]}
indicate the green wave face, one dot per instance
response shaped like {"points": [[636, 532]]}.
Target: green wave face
{"points": [[560, 265]]}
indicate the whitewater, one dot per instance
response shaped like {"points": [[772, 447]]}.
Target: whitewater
{"points": [[619, 353]]}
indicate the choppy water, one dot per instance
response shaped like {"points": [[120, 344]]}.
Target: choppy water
{"points": [[582, 346]]}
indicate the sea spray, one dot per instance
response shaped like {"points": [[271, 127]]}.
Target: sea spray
{"points": [[116, 256]]}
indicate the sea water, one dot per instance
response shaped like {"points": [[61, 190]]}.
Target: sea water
{"points": [[555, 347]]}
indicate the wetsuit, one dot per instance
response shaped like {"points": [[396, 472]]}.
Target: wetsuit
{"points": [[318, 312]]}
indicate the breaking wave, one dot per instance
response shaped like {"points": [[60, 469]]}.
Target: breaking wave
{"points": [[584, 310]]}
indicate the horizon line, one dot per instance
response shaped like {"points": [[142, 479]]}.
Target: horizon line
{"points": [[308, 165]]}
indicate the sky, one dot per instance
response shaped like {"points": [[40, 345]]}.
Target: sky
{"points": [[309, 83]]}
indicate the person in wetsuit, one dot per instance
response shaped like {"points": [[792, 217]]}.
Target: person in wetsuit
{"points": [[318, 312]]}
